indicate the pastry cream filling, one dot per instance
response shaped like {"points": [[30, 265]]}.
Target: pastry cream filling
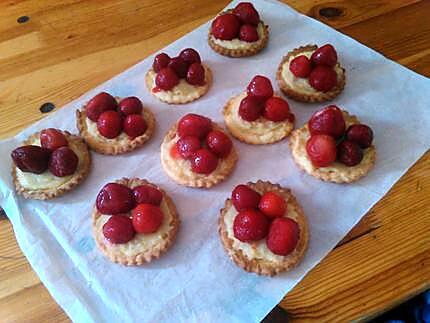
{"points": [[141, 242], [46, 179], [262, 128], [341, 169], [182, 167], [256, 249], [299, 83], [236, 43], [181, 92], [123, 138]]}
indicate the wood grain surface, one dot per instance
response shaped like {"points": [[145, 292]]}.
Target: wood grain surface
{"points": [[65, 48]]}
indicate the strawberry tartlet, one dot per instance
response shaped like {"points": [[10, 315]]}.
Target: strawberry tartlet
{"points": [[134, 221], [238, 32], [114, 126], [50, 163], [180, 79], [334, 146], [311, 74], [257, 116], [263, 228], [196, 152]]}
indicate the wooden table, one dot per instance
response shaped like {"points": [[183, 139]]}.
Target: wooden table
{"points": [[52, 52]]}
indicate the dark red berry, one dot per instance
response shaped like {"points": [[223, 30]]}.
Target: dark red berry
{"points": [[63, 162], [194, 125], [321, 150], [248, 33], [109, 124], [134, 125], [190, 56], [246, 13], [250, 108], [179, 66], [219, 143], [130, 105], [188, 145], [32, 159], [147, 194], [260, 87], [225, 27], [328, 121], [98, 104], [160, 61], [166, 79], [118, 229], [323, 78], [301, 66], [283, 236], [277, 109], [349, 153], [360, 134], [325, 55], [250, 225], [196, 74], [243, 197], [204, 162], [52, 139], [115, 198]]}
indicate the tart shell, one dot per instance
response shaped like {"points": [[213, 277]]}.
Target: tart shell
{"points": [[202, 90], [351, 174], [253, 139], [110, 146], [262, 266], [241, 52], [200, 181], [307, 97], [50, 193], [138, 258]]}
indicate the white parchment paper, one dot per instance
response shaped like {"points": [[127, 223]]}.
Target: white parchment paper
{"points": [[196, 281]]}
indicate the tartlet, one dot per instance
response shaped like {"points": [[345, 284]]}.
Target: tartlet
{"points": [[185, 170], [255, 256], [241, 33], [299, 88], [122, 142], [180, 79], [142, 247], [264, 127], [336, 171], [46, 185]]}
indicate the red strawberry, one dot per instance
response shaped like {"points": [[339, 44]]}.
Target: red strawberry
{"points": [[115, 198], [272, 205], [190, 56], [147, 194], [243, 197], [147, 218], [277, 109], [301, 66], [166, 79], [250, 108], [130, 105], [196, 74], [194, 125], [360, 134], [328, 121], [118, 229], [225, 27], [188, 145], [109, 124], [349, 153], [246, 13], [250, 225], [321, 150], [219, 143], [323, 78], [134, 125], [32, 159], [52, 139], [179, 66], [98, 104], [63, 162], [248, 33], [283, 236], [260, 87], [160, 61], [204, 162], [325, 55]]}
